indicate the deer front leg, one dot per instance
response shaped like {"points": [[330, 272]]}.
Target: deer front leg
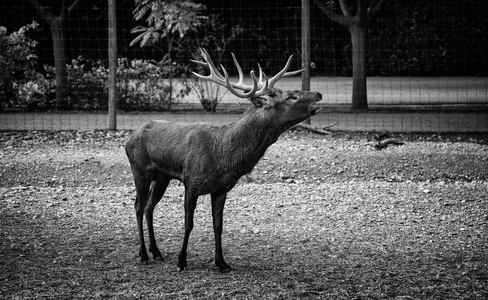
{"points": [[218, 202], [190, 205]]}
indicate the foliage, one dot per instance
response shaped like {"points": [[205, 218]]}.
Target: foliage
{"points": [[168, 23], [166, 19], [410, 38], [38, 93], [17, 60], [216, 37], [430, 39], [87, 82], [86, 91], [139, 87], [209, 93]]}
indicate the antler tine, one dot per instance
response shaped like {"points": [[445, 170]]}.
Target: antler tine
{"points": [[230, 86], [283, 73], [287, 74], [261, 77], [239, 70], [240, 84], [215, 75], [249, 91], [210, 64], [199, 62]]}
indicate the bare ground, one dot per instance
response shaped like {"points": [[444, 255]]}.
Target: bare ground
{"points": [[319, 217]]}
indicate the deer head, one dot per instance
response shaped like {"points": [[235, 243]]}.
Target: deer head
{"points": [[283, 106]]}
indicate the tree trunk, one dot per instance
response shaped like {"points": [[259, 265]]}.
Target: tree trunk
{"points": [[306, 48], [359, 35], [59, 46]]}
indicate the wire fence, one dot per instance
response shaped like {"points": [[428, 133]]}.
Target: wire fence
{"points": [[427, 64]]}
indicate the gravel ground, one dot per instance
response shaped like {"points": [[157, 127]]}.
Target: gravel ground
{"points": [[319, 217]]}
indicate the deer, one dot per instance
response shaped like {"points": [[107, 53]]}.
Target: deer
{"points": [[210, 159]]}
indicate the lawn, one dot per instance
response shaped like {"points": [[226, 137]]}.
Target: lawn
{"points": [[320, 217]]}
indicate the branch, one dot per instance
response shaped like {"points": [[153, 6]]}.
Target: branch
{"points": [[345, 9], [385, 143], [344, 20], [49, 17], [46, 15], [312, 128], [375, 8], [362, 8], [73, 6], [66, 11]]}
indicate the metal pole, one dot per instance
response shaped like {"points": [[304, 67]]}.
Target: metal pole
{"points": [[306, 47], [112, 65]]}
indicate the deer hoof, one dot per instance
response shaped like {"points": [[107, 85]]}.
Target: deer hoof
{"points": [[223, 267], [226, 270], [158, 257], [156, 254], [182, 268], [182, 263], [144, 257]]}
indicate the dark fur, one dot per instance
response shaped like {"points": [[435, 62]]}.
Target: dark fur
{"points": [[208, 159]]}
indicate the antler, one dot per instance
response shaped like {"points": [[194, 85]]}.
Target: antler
{"points": [[259, 87]]}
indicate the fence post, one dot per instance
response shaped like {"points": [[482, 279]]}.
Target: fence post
{"points": [[306, 47], [112, 65]]}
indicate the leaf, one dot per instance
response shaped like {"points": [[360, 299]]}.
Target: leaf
{"points": [[166, 19]]}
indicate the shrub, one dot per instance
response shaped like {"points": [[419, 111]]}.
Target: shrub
{"points": [[87, 87], [208, 93], [139, 87], [36, 94], [17, 60], [87, 82]]}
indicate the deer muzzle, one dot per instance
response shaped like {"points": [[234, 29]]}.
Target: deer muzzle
{"points": [[314, 109]]}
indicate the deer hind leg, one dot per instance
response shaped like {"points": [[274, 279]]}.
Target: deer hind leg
{"points": [[142, 191], [157, 190]]}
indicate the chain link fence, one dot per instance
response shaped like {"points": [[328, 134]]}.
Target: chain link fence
{"points": [[427, 64]]}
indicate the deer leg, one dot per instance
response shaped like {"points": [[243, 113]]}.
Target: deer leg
{"points": [[157, 190], [190, 205], [142, 189], [218, 202]]}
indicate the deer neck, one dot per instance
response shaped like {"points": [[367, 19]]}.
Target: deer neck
{"points": [[245, 141]]}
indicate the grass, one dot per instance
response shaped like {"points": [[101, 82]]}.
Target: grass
{"points": [[319, 218]]}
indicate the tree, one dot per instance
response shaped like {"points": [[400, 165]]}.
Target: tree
{"points": [[357, 19], [168, 22], [57, 25]]}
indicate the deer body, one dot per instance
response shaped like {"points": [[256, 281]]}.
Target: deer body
{"points": [[208, 159]]}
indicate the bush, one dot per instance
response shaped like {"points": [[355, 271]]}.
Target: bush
{"points": [[17, 61], [140, 87], [87, 82], [36, 94], [87, 88]]}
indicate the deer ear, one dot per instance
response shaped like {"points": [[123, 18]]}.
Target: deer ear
{"points": [[259, 101], [263, 101]]}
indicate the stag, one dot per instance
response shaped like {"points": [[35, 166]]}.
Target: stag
{"points": [[210, 159]]}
